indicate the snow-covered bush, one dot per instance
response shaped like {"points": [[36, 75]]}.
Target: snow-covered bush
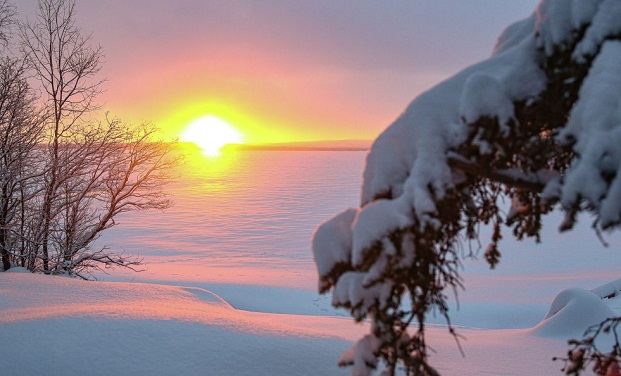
{"points": [[539, 122]]}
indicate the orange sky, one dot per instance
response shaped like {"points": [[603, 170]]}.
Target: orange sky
{"points": [[280, 71]]}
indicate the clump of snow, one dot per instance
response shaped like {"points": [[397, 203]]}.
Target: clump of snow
{"points": [[498, 104], [375, 222], [595, 127], [17, 269], [362, 356], [352, 291], [332, 244], [572, 312], [557, 19], [604, 23], [515, 34]]}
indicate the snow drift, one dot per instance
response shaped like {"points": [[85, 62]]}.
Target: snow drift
{"points": [[103, 328]]}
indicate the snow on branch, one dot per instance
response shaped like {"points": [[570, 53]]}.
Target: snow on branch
{"points": [[533, 182], [538, 121]]}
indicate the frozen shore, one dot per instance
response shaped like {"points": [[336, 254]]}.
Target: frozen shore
{"points": [[61, 326]]}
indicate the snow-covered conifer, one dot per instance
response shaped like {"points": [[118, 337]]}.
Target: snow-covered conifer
{"points": [[539, 122]]}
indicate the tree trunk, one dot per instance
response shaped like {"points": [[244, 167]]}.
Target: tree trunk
{"points": [[6, 261]]}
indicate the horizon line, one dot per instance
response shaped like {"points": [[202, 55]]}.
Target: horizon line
{"points": [[322, 145]]}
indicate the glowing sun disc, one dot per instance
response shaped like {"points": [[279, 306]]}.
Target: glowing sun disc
{"points": [[211, 133]]}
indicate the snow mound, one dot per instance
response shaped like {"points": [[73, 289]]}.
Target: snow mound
{"points": [[206, 295], [572, 312], [608, 290], [112, 328], [17, 269]]}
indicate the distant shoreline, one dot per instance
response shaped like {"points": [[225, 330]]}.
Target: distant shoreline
{"points": [[336, 145], [290, 148]]}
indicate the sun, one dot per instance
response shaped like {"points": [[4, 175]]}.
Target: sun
{"points": [[211, 133]]}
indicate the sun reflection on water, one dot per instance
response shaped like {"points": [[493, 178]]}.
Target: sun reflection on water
{"points": [[243, 216], [199, 163]]}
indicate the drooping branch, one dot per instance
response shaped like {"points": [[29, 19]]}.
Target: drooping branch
{"points": [[531, 182], [538, 121]]}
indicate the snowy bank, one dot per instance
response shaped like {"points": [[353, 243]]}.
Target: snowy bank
{"points": [[111, 328], [101, 328]]}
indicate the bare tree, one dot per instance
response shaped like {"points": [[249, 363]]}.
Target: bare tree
{"points": [[7, 20], [66, 66], [20, 132], [117, 169], [89, 171]]}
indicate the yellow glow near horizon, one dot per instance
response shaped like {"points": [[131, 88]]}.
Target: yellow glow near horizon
{"points": [[255, 124], [211, 133]]}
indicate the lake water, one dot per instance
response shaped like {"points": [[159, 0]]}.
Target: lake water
{"points": [[242, 223], [243, 217]]}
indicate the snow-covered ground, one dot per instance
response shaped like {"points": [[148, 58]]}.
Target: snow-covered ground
{"points": [[268, 323], [61, 326]]}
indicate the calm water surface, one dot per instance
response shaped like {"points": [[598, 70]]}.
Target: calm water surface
{"points": [[254, 210]]}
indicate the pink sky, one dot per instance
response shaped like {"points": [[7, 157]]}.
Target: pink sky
{"points": [[284, 70]]}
